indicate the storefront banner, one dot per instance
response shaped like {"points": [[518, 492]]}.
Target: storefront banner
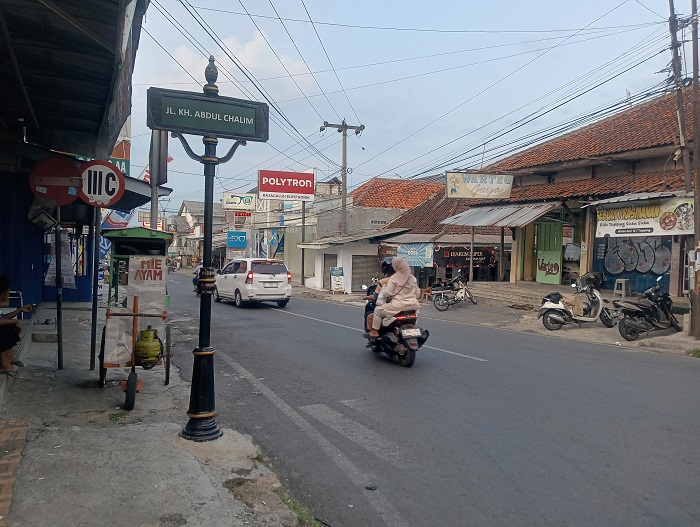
{"points": [[416, 254], [478, 185], [653, 218], [458, 256], [387, 250]]}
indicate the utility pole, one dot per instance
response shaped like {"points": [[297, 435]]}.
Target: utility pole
{"points": [[678, 78], [343, 128], [695, 295]]}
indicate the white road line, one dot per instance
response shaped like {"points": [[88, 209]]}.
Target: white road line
{"points": [[376, 498], [367, 438], [358, 329]]}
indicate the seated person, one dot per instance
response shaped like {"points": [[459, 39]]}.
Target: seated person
{"points": [[9, 331]]}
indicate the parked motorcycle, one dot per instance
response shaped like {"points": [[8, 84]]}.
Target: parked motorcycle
{"points": [[399, 336], [585, 305], [454, 292], [650, 313]]}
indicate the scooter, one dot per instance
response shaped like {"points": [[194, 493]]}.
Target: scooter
{"points": [[454, 292], [399, 336], [652, 312], [585, 305]]}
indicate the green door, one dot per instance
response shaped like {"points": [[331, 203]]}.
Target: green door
{"points": [[549, 247]]}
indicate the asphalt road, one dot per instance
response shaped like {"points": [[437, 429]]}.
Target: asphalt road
{"points": [[489, 427]]}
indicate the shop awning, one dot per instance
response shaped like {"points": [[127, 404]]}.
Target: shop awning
{"points": [[641, 196], [330, 241], [501, 215]]}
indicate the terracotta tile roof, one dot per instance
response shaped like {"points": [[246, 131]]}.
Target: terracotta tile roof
{"points": [[394, 193], [650, 124], [425, 218]]}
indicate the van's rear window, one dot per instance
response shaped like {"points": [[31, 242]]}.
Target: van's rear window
{"points": [[268, 268]]}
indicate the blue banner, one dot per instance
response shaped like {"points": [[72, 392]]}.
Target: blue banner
{"points": [[416, 254], [236, 240]]}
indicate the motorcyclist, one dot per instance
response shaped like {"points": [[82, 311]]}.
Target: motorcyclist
{"points": [[195, 279], [387, 271], [399, 294]]}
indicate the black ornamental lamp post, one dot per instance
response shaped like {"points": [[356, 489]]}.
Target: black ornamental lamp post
{"points": [[201, 425]]}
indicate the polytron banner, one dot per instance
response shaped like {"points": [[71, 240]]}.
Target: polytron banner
{"points": [[478, 185], [647, 218], [233, 201], [292, 186]]}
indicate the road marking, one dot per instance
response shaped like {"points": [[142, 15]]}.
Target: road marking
{"points": [[376, 498], [287, 312], [367, 438]]}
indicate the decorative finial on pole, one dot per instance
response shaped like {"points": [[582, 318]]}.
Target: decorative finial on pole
{"points": [[211, 73]]}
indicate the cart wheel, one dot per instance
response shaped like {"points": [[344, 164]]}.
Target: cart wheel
{"points": [[103, 370], [131, 383], [167, 354]]}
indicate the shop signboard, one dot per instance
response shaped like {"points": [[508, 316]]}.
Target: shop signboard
{"points": [[387, 250], [458, 256], [478, 185], [236, 240], [233, 201], [337, 280], [295, 186], [646, 218], [416, 254]]}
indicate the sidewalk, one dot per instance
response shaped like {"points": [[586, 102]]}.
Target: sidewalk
{"points": [[69, 455]]}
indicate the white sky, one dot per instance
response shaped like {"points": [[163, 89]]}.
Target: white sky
{"points": [[446, 78]]}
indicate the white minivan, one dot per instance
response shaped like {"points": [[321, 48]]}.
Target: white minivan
{"points": [[254, 280]]}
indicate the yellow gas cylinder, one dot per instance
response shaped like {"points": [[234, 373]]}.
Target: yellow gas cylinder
{"points": [[148, 346]]}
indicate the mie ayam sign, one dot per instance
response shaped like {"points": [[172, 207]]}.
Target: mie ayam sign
{"points": [[646, 218], [479, 185], [199, 114]]}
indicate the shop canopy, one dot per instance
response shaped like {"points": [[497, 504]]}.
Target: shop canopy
{"points": [[641, 196], [516, 215]]}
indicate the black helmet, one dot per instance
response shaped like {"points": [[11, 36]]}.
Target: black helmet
{"points": [[387, 268]]}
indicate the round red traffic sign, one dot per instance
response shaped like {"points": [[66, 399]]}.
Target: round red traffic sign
{"points": [[55, 178], [103, 183]]}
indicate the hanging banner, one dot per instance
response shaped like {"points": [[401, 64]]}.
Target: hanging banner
{"points": [[416, 254], [67, 273], [646, 218], [472, 185]]}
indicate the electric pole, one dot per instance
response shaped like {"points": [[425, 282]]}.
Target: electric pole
{"points": [[695, 295], [678, 78], [343, 128]]}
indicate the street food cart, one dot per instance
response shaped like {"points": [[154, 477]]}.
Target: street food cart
{"points": [[136, 315]]}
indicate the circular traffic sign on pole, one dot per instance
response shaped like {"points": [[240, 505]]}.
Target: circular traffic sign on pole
{"points": [[103, 183], [55, 178]]}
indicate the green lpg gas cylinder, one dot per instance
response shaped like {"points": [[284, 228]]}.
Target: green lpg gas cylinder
{"points": [[148, 346]]}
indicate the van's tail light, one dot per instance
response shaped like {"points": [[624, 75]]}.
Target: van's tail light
{"points": [[289, 277], [249, 277]]}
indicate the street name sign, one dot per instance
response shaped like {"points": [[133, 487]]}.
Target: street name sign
{"points": [[199, 114]]}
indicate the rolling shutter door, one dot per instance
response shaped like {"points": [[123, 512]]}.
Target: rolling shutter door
{"points": [[364, 268]]}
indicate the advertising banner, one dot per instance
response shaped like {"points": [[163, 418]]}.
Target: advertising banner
{"points": [[236, 240], [233, 201], [458, 256], [295, 186], [416, 254], [67, 270], [478, 185], [337, 280], [646, 218]]}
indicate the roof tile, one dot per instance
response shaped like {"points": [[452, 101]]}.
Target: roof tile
{"points": [[394, 193]]}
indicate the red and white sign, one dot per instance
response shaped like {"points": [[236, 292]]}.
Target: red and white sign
{"points": [[291, 186], [55, 178], [103, 183], [160, 227], [242, 213]]}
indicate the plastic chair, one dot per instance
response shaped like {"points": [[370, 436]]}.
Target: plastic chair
{"points": [[621, 287]]}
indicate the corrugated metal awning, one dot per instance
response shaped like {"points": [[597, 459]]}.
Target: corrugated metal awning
{"points": [[330, 241], [642, 196], [501, 215]]}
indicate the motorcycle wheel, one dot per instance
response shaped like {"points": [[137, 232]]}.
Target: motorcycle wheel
{"points": [[605, 318], [549, 323], [627, 332], [441, 303], [674, 323], [471, 297], [408, 359]]}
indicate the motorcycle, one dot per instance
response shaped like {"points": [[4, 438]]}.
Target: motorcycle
{"points": [[585, 305], [651, 313], [399, 336], [455, 291]]}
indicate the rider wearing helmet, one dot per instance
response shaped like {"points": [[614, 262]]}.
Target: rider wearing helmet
{"points": [[387, 271], [399, 294]]}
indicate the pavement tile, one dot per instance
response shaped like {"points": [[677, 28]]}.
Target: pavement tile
{"points": [[13, 435]]}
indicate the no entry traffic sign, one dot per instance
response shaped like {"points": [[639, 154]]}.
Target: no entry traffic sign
{"points": [[103, 183], [55, 178]]}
